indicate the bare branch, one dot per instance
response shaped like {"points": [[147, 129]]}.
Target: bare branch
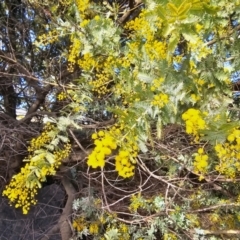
{"points": [[64, 221], [206, 209]]}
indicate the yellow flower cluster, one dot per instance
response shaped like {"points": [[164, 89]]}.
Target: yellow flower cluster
{"points": [[156, 50], [198, 27], [200, 85], [137, 24], [123, 228], [200, 82], [110, 219], [18, 193], [229, 154], [125, 161], [195, 97], [141, 26], [61, 96], [84, 23], [104, 74], [105, 143], [169, 236], [110, 63], [214, 217], [160, 100], [61, 154], [134, 53], [23, 187], [178, 58], [200, 48], [201, 161], [234, 137], [156, 83], [87, 62], [127, 60], [74, 52], [79, 224], [93, 228], [134, 46], [101, 83], [44, 138], [48, 38], [194, 122], [136, 203], [82, 5]]}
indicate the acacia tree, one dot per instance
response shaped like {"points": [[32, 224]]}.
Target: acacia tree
{"points": [[138, 104]]}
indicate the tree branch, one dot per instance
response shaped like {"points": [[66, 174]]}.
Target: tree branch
{"points": [[219, 232], [127, 14], [64, 221], [223, 37], [206, 209]]}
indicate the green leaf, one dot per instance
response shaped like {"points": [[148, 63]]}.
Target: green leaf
{"points": [[39, 184], [32, 184], [159, 203], [38, 157], [173, 9], [63, 123], [50, 147], [178, 2], [144, 77], [167, 29], [55, 142], [190, 36], [50, 158], [218, 133], [63, 138], [142, 146], [37, 172], [173, 41], [159, 128], [27, 184], [210, 9], [184, 8], [112, 234], [213, 137], [161, 12]]}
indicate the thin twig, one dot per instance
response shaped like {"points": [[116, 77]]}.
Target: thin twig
{"points": [[78, 143], [206, 209]]}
